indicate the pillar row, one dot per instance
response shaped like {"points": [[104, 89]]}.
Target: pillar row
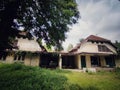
{"points": [[60, 62]]}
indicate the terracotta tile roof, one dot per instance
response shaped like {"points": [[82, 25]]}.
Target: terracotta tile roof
{"points": [[90, 38], [96, 38]]}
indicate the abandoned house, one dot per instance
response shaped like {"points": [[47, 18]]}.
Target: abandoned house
{"points": [[92, 52]]}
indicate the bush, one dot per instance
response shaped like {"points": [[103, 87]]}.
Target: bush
{"points": [[91, 88], [75, 87], [20, 77], [117, 72]]}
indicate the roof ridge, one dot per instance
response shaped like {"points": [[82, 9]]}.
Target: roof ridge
{"points": [[96, 38], [91, 38]]}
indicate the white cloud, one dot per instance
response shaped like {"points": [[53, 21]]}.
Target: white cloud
{"points": [[101, 17], [110, 22]]}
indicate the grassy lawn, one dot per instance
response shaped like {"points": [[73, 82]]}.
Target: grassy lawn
{"points": [[99, 80], [20, 77]]}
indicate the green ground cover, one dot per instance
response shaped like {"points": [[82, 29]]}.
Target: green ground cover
{"points": [[100, 80], [20, 77]]}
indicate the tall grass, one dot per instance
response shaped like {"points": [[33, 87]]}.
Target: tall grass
{"points": [[117, 72], [96, 81], [20, 77]]}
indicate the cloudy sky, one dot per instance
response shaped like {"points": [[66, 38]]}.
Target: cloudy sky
{"points": [[98, 17]]}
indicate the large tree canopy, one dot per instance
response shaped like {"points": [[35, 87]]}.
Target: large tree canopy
{"points": [[45, 19]]}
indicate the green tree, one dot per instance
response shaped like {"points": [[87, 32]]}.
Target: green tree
{"points": [[81, 39], [45, 19], [117, 44], [70, 46]]}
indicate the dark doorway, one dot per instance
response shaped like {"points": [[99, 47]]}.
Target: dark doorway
{"points": [[83, 61], [110, 61], [95, 61], [68, 62], [49, 60], [3, 55]]}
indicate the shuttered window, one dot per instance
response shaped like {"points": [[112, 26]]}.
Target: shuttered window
{"points": [[103, 48]]}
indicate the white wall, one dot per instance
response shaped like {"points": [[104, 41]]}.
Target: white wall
{"points": [[28, 45], [90, 47]]}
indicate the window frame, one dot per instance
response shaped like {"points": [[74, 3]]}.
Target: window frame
{"points": [[103, 48]]}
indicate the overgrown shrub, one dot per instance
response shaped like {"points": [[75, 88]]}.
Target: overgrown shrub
{"points": [[75, 87], [20, 77], [91, 88], [117, 72]]}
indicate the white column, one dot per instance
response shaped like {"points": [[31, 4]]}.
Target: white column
{"points": [[88, 61], [60, 62], [78, 59]]}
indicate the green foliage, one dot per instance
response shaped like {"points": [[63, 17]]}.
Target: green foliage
{"points": [[91, 88], [62, 71], [81, 39], [117, 72], [117, 44], [97, 81], [91, 73], [70, 46], [32, 54], [27, 53], [75, 87], [20, 77], [46, 19]]}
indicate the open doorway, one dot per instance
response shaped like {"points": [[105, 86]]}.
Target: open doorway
{"points": [[83, 62], [49, 60], [110, 61], [68, 62], [95, 61]]}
